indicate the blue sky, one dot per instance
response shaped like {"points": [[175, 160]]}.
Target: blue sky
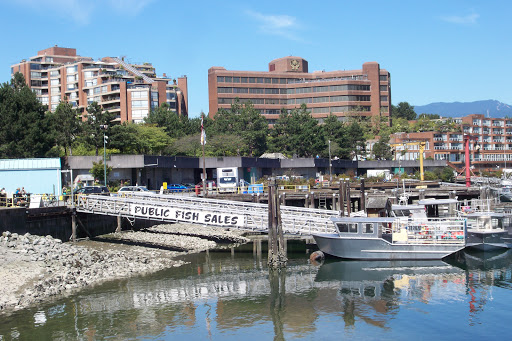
{"points": [[436, 51]]}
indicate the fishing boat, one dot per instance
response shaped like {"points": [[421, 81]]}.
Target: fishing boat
{"points": [[381, 238], [487, 231]]}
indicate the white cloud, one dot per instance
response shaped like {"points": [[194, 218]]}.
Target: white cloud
{"points": [[81, 11], [78, 10], [131, 7], [281, 25], [469, 19]]}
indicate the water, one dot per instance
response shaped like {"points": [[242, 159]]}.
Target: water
{"points": [[224, 296]]}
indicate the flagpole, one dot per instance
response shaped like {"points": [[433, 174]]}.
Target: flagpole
{"points": [[203, 142]]}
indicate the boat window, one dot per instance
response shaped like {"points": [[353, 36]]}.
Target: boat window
{"points": [[347, 228], [368, 228], [343, 228]]}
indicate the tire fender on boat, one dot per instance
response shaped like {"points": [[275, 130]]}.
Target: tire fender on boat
{"points": [[316, 257]]}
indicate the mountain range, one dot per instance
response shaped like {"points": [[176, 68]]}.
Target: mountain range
{"points": [[489, 108]]}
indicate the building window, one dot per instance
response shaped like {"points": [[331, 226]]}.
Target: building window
{"points": [[383, 98], [240, 90], [171, 96], [256, 91], [139, 94], [224, 90], [54, 73], [225, 101], [383, 88], [220, 79], [383, 77], [228, 79], [71, 69], [139, 104], [320, 99]]}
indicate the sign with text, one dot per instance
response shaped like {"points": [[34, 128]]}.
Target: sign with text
{"points": [[186, 215]]}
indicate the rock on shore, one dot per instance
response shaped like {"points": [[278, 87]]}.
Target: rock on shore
{"points": [[35, 268], [212, 233]]}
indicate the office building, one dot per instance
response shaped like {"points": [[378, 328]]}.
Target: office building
{"points": [[287, 84], [490, 143], [130, 91]]}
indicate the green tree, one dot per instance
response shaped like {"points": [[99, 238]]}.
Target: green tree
{"points": [[168, 119], [24, 129], [125, 138], [65, 126], [94, 126], [152, 139], [98, 171], [189, 145], [297, 132], [352, 143], [246, 122], [382, 150], [403, 110]]}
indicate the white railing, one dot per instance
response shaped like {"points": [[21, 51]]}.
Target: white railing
{"points": [[432, 230]]}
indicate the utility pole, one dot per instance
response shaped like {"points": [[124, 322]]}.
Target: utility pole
{"points": [[330, 164], [104, 128]]}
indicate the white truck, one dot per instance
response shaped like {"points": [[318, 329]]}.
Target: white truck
{"points": [[227, 179], [379, 173]]}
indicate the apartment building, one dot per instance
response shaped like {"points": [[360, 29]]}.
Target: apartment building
{"points": [[490, 143], [130, 91], [287, 84]]}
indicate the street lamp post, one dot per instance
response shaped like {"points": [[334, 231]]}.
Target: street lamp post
{"points": [[104, 127], [330, 163]]}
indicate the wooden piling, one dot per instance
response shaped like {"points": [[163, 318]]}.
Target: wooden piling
{"points": [[362, 206], [343, 191], [119, 223], [276, 247], [312, 200], [349, 202], [73, 225]]}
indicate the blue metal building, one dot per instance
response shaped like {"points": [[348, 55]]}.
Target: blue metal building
{"points": [[38, 176]]}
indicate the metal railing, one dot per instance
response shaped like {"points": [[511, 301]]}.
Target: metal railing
{"points": [[295, 220]]}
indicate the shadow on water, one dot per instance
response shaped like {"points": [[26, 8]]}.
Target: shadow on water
{"points": [[231, 294]]}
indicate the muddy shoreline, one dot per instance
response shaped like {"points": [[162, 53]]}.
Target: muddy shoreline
{"points": [[37, 268]]}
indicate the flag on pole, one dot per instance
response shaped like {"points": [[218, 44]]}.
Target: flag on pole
{"points": [[203, 133]]}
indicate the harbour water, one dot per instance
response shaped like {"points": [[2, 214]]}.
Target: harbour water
{"points": [[233, 295]]}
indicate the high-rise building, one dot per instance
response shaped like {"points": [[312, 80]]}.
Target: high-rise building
{"points": [[130, 91], [288, 84]]}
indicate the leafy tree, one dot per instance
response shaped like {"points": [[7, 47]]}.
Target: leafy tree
{"points": [[65, 125], [224, 145], [164, 117], [353, 142], [244, 121], [152, 140], [297, 132], [93, 127], [125, 137], [98, 171], [189, 145], [382, 149], [403, 110], [23, 126]]}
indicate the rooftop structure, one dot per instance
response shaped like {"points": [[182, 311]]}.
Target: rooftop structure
{"points": [[130, 91], [287, 84]]}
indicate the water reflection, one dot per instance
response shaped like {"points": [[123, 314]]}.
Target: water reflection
{"points": [[228, 295]]}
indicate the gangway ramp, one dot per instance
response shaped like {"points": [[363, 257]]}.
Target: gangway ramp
{"points": [[206, 211]]}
